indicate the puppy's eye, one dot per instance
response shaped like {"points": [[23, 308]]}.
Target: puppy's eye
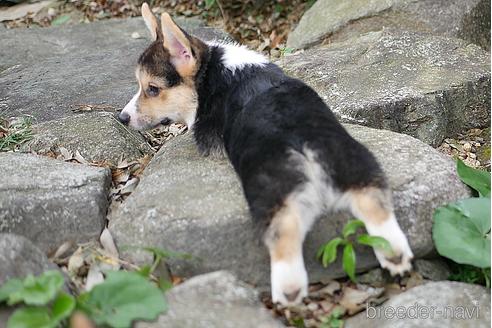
{"points": [[152, 91]]}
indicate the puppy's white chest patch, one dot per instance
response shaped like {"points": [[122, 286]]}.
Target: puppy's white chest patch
{"points": [[236, 56]]}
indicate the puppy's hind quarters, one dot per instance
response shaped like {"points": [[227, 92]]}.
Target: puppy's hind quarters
{"points": [[373, 206]]}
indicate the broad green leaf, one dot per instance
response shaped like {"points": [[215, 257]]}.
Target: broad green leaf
{"points": [[60, 20], [349, 261], [460, 231], [122, 298], [38, 290], [11, 286], [63, 306], [351, 227], [477, 210], [477, 179], [328, 252], [375, 242], [29, 317]]}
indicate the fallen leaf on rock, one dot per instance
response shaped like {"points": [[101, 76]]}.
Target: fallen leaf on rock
{"points": [[94, 277], [62, 250], [107, 243], [79, 158], [76, 262], [129, 186], [65, 153], [332, 287], [354, 300]]}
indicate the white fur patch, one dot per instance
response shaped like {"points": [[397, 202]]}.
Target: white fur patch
{"points": [[238, 56], [131, 107], [391, 231], [287, 278]]}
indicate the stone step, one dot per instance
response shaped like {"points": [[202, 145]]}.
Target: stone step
{"points": [[187, 203], [216, 299], [426, 86], [49, 201], [335, 20], [443, 304], [49, 72]]}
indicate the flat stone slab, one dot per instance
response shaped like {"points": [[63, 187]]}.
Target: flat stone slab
{"points": [[422, 85], [48, 72], [216, 299], [50, 201], [191, 204], [332, 20], [98, 137], [444, 304]]}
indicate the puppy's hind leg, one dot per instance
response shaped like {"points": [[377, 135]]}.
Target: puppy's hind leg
{"points": [[284, 238], [373, 206]]}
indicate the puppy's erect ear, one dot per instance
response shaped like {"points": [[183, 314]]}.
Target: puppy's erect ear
{"points": [[178, 45], [150, 21]]}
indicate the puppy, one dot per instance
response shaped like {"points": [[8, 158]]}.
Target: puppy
{"points": [[294, 159]]}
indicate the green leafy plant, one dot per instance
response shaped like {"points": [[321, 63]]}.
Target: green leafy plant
{"points": [[461, 230], [15, 132], [328, 252], [333, 320], [122, 298]]}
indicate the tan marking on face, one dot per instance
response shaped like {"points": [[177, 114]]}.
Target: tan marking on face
{"points": [[178, 103], [284, 238], [372, 203]]}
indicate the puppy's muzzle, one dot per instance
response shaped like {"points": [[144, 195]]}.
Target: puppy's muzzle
{"points": [[124, 118]]}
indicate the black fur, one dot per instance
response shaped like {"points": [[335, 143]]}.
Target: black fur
{"points": [[258, 114], [155, 59]]}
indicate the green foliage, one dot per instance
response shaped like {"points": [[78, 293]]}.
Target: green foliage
{"points": [[333, 320], [328, 252], [349, 261], [15, 132], [32, 290], [60, 20], [461, 230], [469, 274], [122, 298], [477, 179]]}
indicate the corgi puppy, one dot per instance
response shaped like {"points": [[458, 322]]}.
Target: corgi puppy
{"points": [[294, 159]]}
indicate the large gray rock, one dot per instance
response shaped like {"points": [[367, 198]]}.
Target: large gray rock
{"points": [[48, 72], [50, 201], [443, 304], [192, 204], [19, 258], [216, 299], [98, 137], [334, 20], [426, 86]]}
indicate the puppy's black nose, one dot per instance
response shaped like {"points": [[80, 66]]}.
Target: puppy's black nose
{"points": [[124, 118]]}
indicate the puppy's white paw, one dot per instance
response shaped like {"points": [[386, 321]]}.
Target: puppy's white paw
{"points": [[399, 260], [289, 282]]}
